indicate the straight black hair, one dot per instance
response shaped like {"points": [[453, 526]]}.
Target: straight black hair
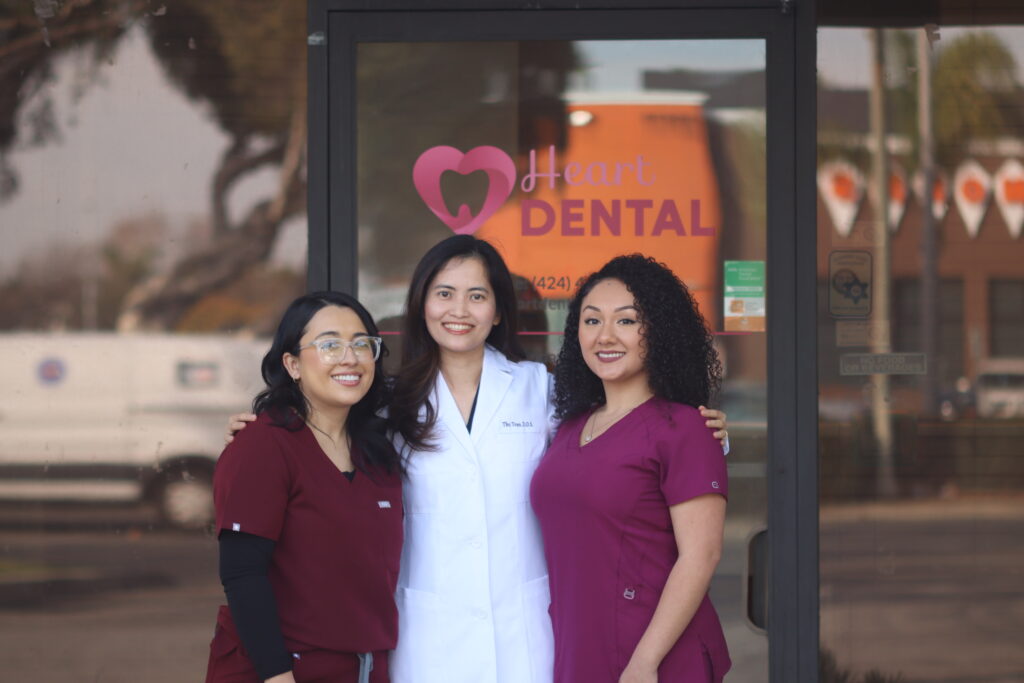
{"points": [[284, 401], [421, 357]]}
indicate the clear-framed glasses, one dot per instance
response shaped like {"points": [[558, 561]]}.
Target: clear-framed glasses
{"points": [[332, 350]]}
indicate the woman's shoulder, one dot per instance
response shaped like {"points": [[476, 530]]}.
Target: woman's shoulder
{"points": [[519, 368], [266, 433], [674, 416]]}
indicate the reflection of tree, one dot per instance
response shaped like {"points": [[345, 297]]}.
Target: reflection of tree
{"points": [[82, 287], [244, 59], [412, 96], [977, 97], [977, 93]]}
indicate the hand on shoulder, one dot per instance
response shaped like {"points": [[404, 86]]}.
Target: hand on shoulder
{"points": [[237, 423]]}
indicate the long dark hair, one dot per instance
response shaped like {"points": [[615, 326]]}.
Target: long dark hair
{"points": [[287, 407], [421, 357], [681, 362]]}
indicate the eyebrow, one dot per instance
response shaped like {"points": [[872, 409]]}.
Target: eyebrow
{"points": [[620, 308], [335, 333], [452, 287]]}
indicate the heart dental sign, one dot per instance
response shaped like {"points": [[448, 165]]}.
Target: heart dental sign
{"points": [[637, 176], [540, 216]]}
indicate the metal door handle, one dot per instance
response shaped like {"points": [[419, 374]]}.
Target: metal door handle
{"points": [[755, 581]]}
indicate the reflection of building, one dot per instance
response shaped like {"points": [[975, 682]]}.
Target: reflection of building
{"points": [[635, 175], [734, 110], [980, 302]]}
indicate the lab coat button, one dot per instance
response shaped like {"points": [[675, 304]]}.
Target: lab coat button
{"points": [[476, 543], [480, 614]]}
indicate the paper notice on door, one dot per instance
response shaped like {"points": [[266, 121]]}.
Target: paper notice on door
{"points": [[744, 309]]}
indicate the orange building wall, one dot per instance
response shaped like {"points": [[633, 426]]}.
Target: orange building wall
{"points": [[668, 143]]}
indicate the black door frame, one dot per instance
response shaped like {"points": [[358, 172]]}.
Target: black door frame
{"points": [[334, 28]]}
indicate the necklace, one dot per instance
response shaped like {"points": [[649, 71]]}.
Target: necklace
{"points": [[329, 437], [615, 418]]}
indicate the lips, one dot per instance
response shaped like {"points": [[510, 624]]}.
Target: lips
{"points": [[610, 356], [457, 328]]}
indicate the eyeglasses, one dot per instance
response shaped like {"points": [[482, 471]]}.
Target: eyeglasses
{"points": [[332, 350]]}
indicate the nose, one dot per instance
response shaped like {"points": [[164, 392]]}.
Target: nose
{"points": [[605, 334], [459, 306], [348, 356]]}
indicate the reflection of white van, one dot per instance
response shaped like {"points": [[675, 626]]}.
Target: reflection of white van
{"points": [[1000, 387], [108, 417]]}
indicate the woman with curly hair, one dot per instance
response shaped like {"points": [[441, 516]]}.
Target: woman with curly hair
{"points": [[631, 493]]}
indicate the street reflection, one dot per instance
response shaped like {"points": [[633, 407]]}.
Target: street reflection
{"points": [[920, 384]]}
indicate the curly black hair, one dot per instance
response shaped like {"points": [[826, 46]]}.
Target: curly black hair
{"points": [[681, 362]]}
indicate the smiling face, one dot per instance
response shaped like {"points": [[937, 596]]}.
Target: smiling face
{"points": [[331, 386], [459, 309], [611, 336]]}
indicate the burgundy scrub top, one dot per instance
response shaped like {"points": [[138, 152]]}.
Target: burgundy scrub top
{"points": [[603, 511], [338, 542]]}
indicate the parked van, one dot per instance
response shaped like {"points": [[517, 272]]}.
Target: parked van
{"points": [[113, 417], [1000, 387]]}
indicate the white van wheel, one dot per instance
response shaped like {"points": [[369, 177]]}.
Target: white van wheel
{"points": [[186, 500]]}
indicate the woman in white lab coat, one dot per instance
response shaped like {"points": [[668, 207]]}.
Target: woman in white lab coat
{"points": [[472, 419]]}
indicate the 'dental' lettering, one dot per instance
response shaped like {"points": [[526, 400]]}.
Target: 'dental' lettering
{"points": [[578, 217], [594, 217]]}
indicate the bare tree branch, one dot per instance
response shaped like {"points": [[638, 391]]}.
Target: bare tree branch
{"points": [[235, 163], [163, 300]]}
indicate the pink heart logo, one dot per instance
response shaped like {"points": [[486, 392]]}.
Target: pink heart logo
{"points": [[501, 176]]}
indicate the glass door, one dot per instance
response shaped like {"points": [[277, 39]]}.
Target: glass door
{"points": [[565, 142]]}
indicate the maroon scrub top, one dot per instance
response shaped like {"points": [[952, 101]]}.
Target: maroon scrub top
{"points": [[338, 542], [604, 515]]}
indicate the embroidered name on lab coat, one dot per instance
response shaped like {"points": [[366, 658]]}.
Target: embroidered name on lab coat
{"points": [[516, 426]]}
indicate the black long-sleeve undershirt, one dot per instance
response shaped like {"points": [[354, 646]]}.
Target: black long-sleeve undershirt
{"points": [[244, 573]]}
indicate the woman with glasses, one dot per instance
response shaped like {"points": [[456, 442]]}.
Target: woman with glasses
{"points": [[631, 493], [309, 510]]}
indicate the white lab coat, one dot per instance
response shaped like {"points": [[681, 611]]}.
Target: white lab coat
{"points": [[473, 587]]}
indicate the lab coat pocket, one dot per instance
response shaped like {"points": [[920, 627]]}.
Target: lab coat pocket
{"points": [[418, 654], [536, 601]]}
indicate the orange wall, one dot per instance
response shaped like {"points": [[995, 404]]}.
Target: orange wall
{"points": [[666, 147]]}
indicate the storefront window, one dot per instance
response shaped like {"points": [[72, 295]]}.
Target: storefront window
{"points": [[921, 361], [152, 198], [1006, 311]]}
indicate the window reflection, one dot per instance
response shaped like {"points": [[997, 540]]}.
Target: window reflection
{"points": [[920, 486], [152, 197]]}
